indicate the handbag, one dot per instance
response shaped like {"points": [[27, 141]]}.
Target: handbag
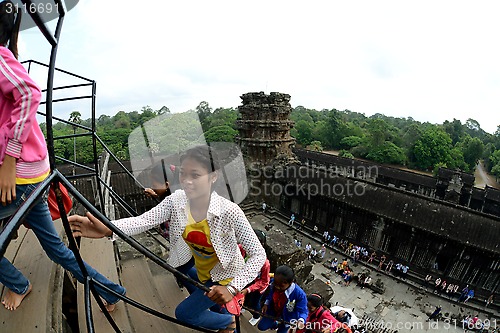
{"points": [[52, 201], [235, 304]]}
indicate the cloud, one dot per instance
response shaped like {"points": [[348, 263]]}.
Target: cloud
{"points": [[431, 61]]}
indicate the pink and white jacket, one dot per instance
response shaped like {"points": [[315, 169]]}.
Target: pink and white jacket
{"points": [[20, 134]]}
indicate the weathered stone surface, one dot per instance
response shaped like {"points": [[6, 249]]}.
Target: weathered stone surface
{"points": [[281, 250], [378, 286], [264, 128], [318, 286]]}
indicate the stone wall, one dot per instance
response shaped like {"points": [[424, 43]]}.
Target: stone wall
{"points": [[281, 250]]}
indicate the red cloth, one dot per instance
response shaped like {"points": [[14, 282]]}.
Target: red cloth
{"points": [[279, 302], [316, 320], [52, 202], [261, 283], [243, 252]]}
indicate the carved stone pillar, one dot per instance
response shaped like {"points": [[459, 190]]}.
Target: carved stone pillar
{"points": [[264, 128], [378, 225]]}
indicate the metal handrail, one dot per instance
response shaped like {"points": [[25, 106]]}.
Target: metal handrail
{"points": [[56, 178]]}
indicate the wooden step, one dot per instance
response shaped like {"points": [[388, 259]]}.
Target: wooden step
{"points": [[170, 293], [99, 253], [138, 279], [169, 290], [146, 283], [41, 310]]}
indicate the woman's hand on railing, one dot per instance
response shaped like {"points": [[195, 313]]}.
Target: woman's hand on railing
{"points": [[219, 294], [88, 226], [150, 192]]}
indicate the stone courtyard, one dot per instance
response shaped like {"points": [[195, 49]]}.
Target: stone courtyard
{"points": [[403, 307]]}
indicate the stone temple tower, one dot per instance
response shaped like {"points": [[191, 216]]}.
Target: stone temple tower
{"points": [[264, 128]]}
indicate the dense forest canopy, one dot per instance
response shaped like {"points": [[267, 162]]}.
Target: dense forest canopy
{"points": [[380, 138]]}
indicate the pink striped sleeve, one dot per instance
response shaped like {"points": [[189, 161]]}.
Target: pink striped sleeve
{"points": [[17, 86]]}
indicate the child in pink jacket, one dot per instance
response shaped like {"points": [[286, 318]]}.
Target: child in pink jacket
{"points": [[24, 165]]}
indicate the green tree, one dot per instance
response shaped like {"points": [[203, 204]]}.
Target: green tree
{"points": [[411, 134], [204, 111], [495, 158], [321, 133], [378, 130], [104, 122], [387, 153], [62, 148], [315, 146], [121, 120], [221, 117], [496, 171], [455, 130], [121, 155], [346, 154], [75, 117], [457, 160], [146, 114], [472, 149], [473, 128], [222, 133], [350, 142], [303, 132], [431, 148], [497, 137], [337, 128]]}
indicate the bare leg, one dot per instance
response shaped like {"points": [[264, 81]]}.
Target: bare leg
{"points": [[11, 300]]}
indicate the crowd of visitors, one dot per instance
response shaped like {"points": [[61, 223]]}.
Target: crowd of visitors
{"points": [[356, 253]]}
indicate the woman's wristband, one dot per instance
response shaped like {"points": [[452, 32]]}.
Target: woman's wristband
{"points": [[232, 290]]}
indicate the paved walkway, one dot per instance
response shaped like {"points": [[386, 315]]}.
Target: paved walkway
{"points": [[404, 307], [483, 178]]}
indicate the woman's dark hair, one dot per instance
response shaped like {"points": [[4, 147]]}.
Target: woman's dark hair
{"points": [[315, 299], [162, 173], [10, 21], [204, 155], [286, 272]]}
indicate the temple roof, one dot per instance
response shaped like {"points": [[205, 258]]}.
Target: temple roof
{"points": [[432, 215]]}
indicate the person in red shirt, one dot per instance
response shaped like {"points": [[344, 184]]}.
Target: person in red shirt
{"points": [[286, 303], [320, 318], [254, 291]]}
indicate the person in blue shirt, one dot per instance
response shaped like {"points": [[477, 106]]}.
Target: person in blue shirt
{"points": [[286, 300], [470, 295]]}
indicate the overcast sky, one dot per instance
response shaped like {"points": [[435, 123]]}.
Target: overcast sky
{"points": [[430, 60]]}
